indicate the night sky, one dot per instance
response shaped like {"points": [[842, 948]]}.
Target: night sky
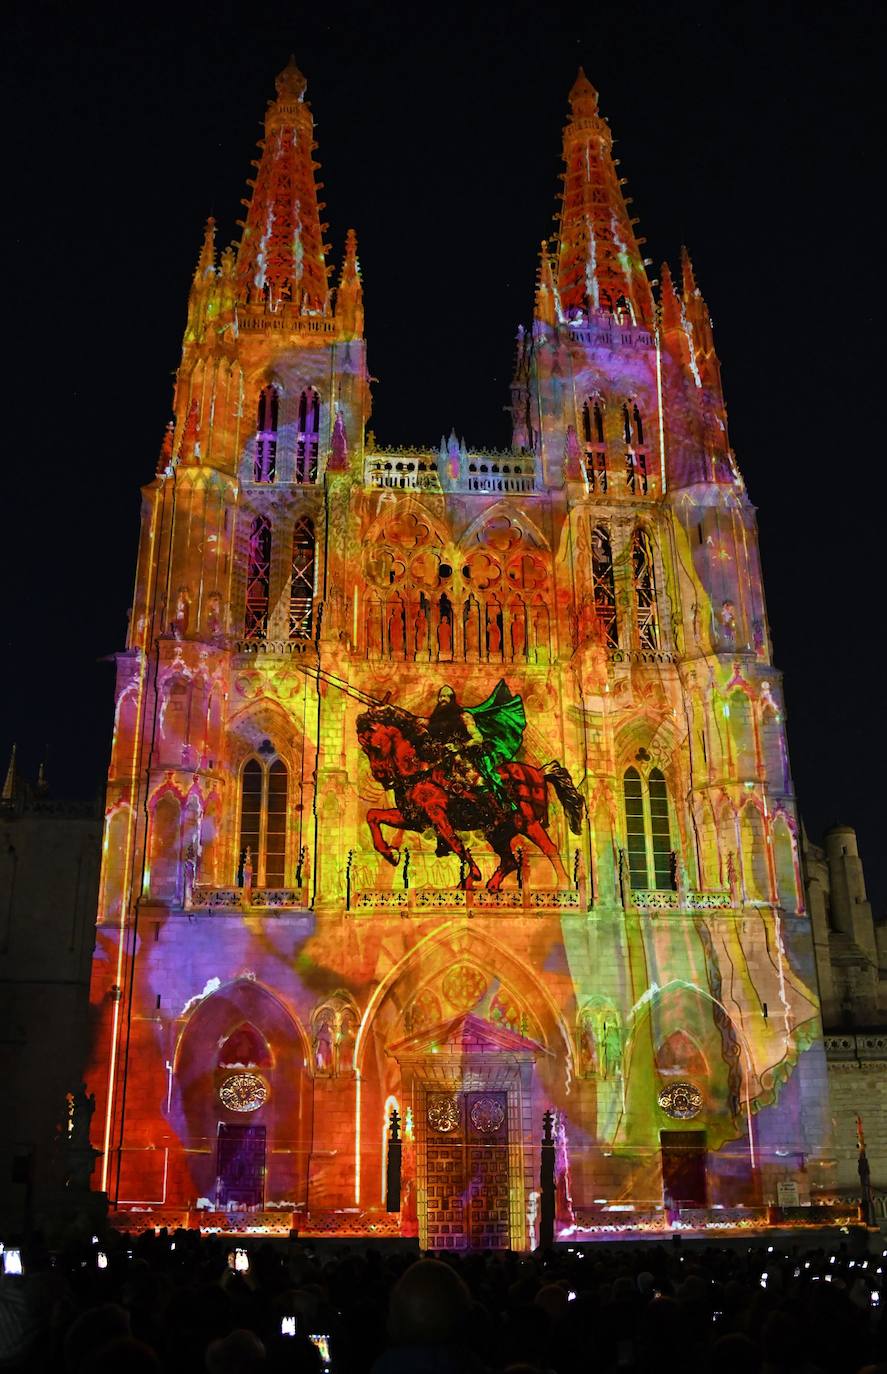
{"points": [[744, 131]]}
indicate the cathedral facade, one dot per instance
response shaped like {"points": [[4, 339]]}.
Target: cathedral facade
{"points": [[451, 783]]}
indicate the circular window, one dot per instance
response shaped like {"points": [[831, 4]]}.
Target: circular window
{"points": [[681, 1100], [244, 1092]]}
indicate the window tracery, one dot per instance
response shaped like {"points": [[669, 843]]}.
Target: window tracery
{"points": [[595, 445], [307, 436], [263, 811], [635, 450], [301, 607], [644, 577], [487, 602], [648, 830], [265, 461], [604, 585], [258, 579]]}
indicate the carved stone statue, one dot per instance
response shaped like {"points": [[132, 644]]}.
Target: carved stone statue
{"points": [[81, 1106], [323, 1042]]}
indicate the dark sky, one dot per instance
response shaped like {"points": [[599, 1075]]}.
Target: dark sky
{"points": [[745, 131]]}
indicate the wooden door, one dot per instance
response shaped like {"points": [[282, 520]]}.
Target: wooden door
{"points": [[683, 1168], [241, 1165], [466, 1173]]}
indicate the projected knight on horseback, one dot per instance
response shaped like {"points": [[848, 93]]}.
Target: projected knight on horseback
{"points": [[456, 771]]}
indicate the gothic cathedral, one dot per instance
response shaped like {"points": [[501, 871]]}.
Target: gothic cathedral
{"points": [[449, 783]]}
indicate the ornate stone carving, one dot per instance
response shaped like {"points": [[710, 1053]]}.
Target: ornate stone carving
{"points": [[682, 1101], [244, 1092], [443, 1112]]}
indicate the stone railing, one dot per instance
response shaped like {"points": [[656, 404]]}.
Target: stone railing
{"points": [[665, 900], [408, 474], [419, 900], [248, 899], [274, 646], [428, 471]]}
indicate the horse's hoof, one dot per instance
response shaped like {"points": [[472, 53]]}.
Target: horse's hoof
{"points": [[392, 857]]}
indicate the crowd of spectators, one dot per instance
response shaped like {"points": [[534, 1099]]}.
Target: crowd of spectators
{"points": [[183, 1303]]}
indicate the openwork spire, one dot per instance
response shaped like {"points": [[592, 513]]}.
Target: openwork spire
{"points": [[599, 265], [281, 257]]}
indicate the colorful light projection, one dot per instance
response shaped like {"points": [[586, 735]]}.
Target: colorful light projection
{"points": [[450, 779]]}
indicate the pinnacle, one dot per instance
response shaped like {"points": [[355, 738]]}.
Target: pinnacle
{"points": [[290, 83], [583, 96], [689, 278]]}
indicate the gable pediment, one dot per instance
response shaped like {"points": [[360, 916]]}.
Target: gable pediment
{"points": [[464, 1036]]}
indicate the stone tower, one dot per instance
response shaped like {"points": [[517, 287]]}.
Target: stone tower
{"points": [[451, 781]]}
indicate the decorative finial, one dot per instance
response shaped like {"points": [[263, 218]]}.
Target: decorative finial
{"points": [[290, 84]]}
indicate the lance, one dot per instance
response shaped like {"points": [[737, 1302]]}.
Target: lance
{"points": [[322, 675]]}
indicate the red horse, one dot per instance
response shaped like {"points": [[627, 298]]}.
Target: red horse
{"points": [[430, 794]]}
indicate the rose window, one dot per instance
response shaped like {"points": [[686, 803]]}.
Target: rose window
{"points": [[681, 1100], [244, 1092]]}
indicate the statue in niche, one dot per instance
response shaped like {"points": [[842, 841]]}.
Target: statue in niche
{"points": [[727, 624], [610, 1047], [588, 1060], [733, 878], [214, 614], [768, 701], [374, 637], [445, 629], [81, 1108], [420, 630], [189, 874], [470, 630], [494, 634], [348, 1024], [518, 634], [247, 873], [324, 1040], [395, 631], [540, 633], [182, 615]]}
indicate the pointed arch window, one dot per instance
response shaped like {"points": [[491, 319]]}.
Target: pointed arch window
{"points": [[604, 585], [258, 579], [595, 445], [644, 577], [302, 580], [308, 435], [263, 808], [648, 829], [265, 463], [635, 450]]}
